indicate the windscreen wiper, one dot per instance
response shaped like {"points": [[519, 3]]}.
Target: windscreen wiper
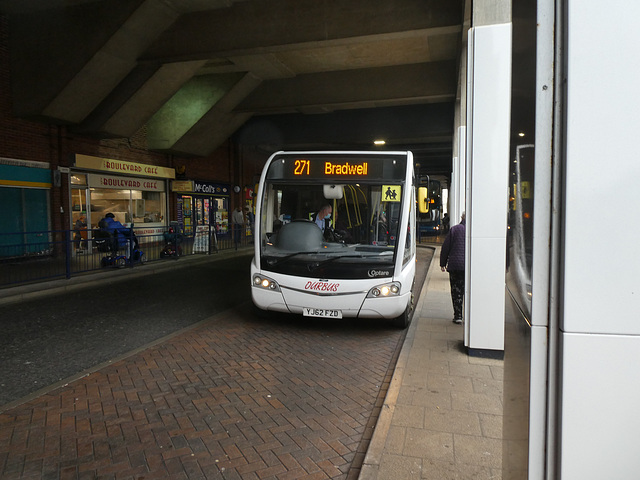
{"points": [[278, 260], [317, 265]]}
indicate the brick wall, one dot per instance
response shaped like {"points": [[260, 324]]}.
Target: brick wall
{"points": [[18, 138]]}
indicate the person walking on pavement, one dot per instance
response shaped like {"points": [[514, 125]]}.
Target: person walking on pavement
{"points": [[452, 260], [445, 223], [250, 217], [237, 218]]}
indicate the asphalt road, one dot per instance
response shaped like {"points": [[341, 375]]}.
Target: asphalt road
{"points": [[49, 339]]}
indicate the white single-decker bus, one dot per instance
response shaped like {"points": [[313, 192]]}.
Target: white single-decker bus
{"points": [[357, 262]]}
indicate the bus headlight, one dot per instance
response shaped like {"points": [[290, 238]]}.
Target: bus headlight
{"points": [[266, 283], [385, 290]]}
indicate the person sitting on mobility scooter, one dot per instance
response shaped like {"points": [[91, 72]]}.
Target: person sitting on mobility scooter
{"points": [[120, 237], [172, 240]]}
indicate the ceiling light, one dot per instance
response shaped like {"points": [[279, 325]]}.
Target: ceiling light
{"points": [[379, 142], [521, 134]]}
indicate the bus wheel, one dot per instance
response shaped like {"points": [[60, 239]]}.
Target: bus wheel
{"points": [[259, 313], [404, 320]]}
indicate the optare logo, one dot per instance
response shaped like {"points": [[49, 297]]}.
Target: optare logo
{"points": [[378, 273]]}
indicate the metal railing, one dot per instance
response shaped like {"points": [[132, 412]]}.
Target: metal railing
{"points": [[30, 257]]}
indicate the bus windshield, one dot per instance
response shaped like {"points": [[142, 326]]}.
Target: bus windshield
{"points": [[331, 217]]}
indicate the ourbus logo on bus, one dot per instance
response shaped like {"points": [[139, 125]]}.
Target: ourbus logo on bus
{"points": [[322, 286], [379, 273]]}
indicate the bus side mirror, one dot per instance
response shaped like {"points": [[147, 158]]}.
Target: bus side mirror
{"points": [[423, 200]]}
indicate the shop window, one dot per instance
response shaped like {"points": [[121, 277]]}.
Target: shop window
{"points": [[185, 213], [221, 208], [127, 206], [78, 179], [79, 211], [25, 223], [148, 207]]}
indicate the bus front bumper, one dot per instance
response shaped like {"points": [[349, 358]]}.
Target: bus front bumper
{"points": [[350, 305]]}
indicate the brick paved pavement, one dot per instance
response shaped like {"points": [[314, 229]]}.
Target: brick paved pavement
{"points": [[232, 398]]}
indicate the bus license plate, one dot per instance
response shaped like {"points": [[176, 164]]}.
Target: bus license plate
{"points": [[321, 312]]}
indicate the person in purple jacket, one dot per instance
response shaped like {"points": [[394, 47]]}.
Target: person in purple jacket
{"points": [[452, 260]]}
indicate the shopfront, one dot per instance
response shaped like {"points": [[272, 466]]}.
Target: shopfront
{"points": [[24, 196], [202, 204], [135, 193]]}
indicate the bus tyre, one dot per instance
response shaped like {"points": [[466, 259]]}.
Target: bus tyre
{"points": [[403, 320], [260, 313]]}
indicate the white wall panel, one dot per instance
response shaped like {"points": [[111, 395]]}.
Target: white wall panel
{"points": [[538, 402], [488, 116], [487, 294], [602, 214], [600, 417], [461, 176]]}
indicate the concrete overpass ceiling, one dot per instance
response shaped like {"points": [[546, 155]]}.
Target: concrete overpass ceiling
{"points": [[256, 26], [194, 72], [425, 129]]}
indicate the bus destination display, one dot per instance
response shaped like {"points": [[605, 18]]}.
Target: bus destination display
{"points": [[337, 168], [303, 167]]}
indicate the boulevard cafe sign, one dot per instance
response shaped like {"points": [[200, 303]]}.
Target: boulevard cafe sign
{"points": [[111, 166], [97, 180]]}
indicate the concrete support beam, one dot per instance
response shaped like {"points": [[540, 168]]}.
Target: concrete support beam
{"points": [[258, 27], [210, 133], [491, 12], [193, 128], [70, 90], [112, 63], [418, 83], [144, 103]]}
